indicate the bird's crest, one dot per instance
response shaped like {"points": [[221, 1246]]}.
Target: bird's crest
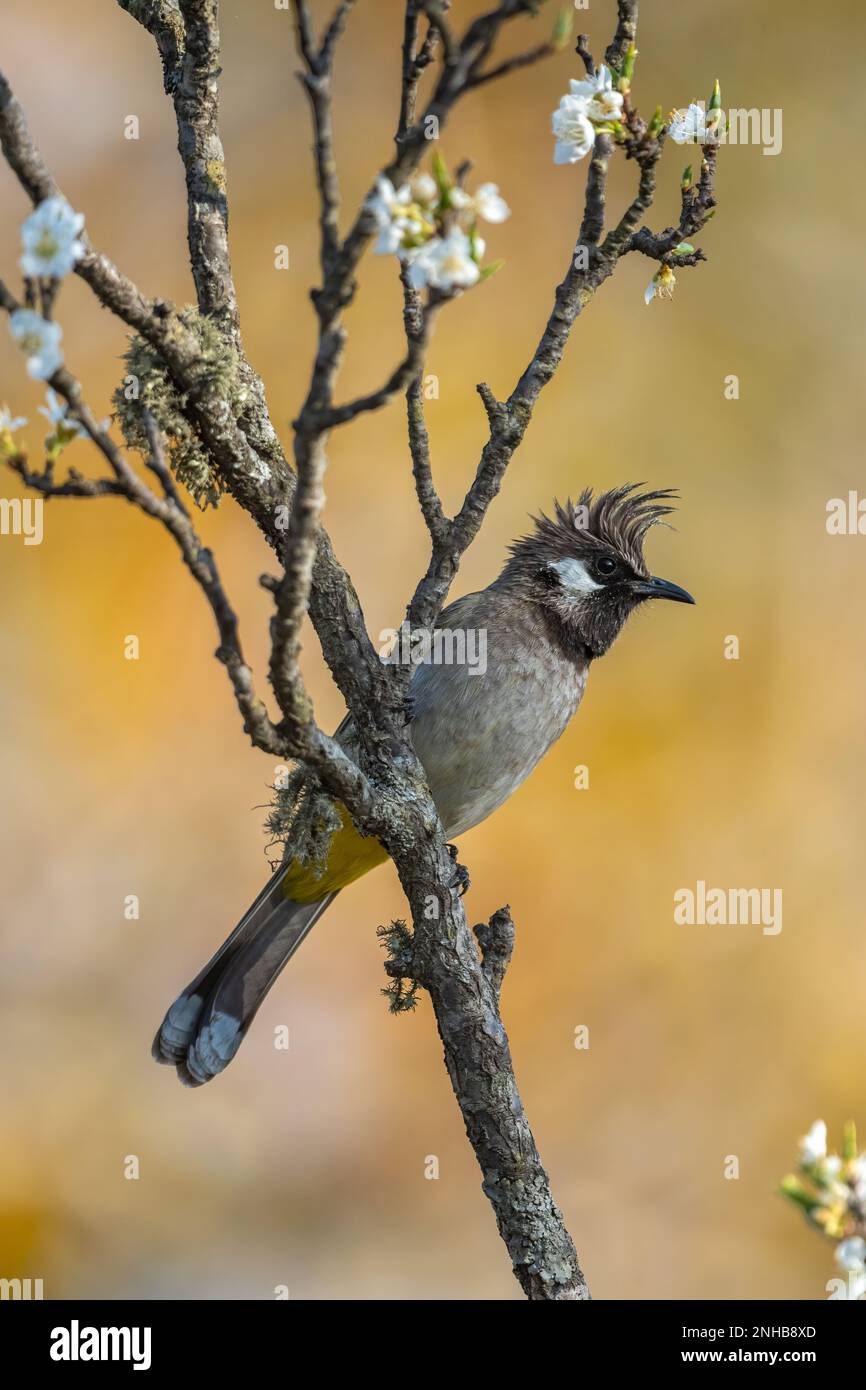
{"points": [[615, 520]]}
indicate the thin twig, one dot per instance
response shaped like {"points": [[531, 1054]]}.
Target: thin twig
{"points": [[158, 464], [592, 225], [162, 19], [196, 104], [74, 485], [415, 61], [316, 81], [403, 373], [626, 33], [419, 442], [509, 65], [582, 50]]}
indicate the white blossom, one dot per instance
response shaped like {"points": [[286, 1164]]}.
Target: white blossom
{"points": [[593, 99], [9, 423], [488, 202], [390, 206], [430, 224], [40, 340], [446, 263], [687, 126], [55, 413], [851, 1254], [813, 1146], [574, 131], [603, 102], [50, 239], [695, 126], [392, 198]]}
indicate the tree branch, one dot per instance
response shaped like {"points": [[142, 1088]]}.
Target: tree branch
{"points": [[246, 453], [162, 19], [465, 998], [592, 225], [626, 33], [293, 592], [698, 205], [416, 60], [419, 442], [299, 737], [258, 477], [196, 104], [405, 372], [74, 485], [316, 81]]}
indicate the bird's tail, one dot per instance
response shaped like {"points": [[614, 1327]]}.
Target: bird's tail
{"points": [[207, 1023]]}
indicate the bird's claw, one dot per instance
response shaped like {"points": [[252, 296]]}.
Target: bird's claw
{"points": [[461, 880]]}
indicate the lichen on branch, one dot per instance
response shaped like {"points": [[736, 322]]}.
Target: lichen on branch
{"points": [[148, 388], [303, 815]]}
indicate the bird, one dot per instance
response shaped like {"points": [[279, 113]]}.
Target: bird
{"points": [[558, 604]]}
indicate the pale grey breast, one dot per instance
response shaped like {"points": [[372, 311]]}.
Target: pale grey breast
{"points": [[480, 735]]}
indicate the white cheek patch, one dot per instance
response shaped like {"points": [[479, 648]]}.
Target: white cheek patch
{"points": [[576, 576]]}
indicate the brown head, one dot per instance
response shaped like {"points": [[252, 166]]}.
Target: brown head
{"points": [[585, 567]]}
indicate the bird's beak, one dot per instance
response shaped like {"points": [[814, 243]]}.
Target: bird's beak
{"points": [[663, 588]]}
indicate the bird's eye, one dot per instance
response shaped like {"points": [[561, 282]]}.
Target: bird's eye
{"points": [[605, 565]]}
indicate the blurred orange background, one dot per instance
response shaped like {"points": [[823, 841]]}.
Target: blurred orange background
{"points": [[306, 1168]]}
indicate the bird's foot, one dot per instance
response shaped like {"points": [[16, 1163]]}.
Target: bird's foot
{"points": [[461, 880]]}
